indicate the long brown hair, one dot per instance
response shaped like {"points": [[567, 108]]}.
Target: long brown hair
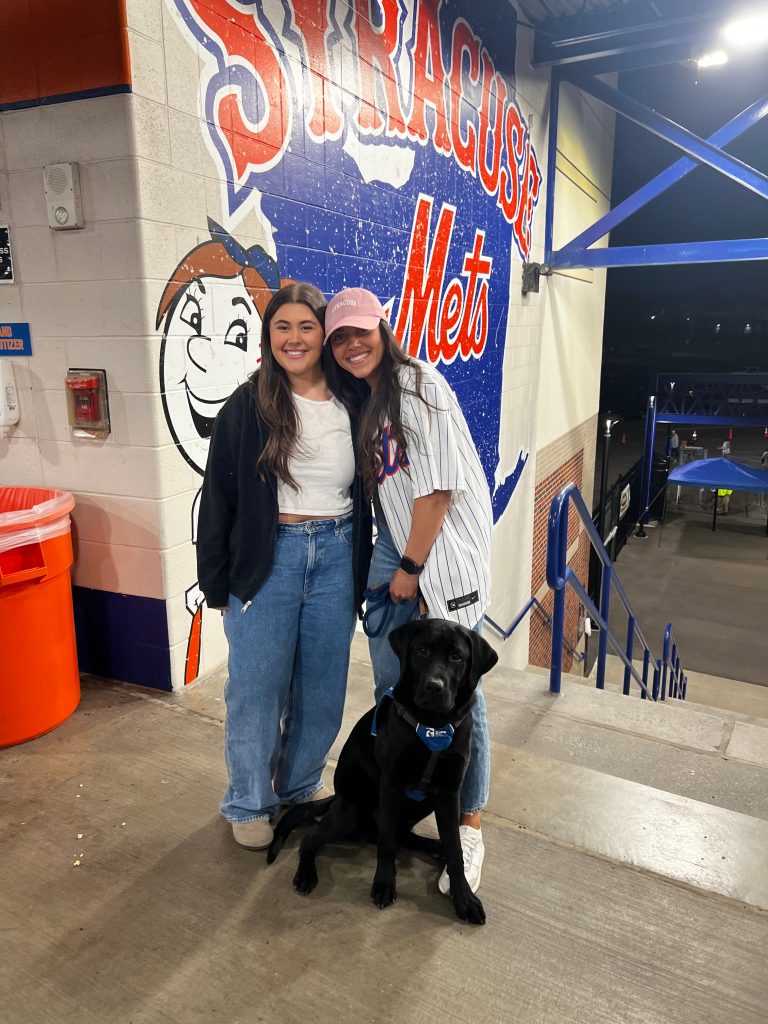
{"points": [[382, 406], [272, 392]]}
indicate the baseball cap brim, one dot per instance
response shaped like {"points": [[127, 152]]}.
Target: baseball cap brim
{"points": [[365, 323]]}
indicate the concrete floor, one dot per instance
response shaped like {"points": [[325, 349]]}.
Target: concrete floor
{"points": [[713, 587], [166, 921]]}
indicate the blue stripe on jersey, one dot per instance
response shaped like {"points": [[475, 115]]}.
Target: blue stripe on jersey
{"points": [[459, 562]]}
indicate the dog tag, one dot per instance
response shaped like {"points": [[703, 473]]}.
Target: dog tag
{"points": [[435, 739]]}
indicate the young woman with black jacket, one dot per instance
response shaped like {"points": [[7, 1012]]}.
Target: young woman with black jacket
{"points": [[284, 543]]}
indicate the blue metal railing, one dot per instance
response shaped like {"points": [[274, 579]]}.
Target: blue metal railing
{"points": [[667, 670], [673, 680], [533, 603]]}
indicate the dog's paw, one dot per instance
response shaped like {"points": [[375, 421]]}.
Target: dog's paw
{"points": [[469, 908], [305, 879], [383, 894]]}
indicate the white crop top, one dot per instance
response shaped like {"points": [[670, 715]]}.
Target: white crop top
{"points": [[325, 466]]}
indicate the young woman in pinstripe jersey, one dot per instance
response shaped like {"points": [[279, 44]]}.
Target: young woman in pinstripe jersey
{"points": [[432, 506]]}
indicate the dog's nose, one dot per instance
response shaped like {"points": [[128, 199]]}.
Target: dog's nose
{"points": [[434, 684]]}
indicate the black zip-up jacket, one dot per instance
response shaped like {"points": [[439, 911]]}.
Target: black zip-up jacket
{"points": [[238, 510]]}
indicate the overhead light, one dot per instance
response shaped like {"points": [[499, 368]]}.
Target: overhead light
{"points": [[711, 60], [750, 31]]}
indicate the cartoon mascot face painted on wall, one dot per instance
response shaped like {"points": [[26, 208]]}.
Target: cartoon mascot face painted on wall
{"points": [[212, 309]]}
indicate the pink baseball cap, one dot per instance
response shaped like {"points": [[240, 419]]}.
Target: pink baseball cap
{"points": [[354, 307]]}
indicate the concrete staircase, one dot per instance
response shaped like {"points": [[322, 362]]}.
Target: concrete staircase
{"points": [[678, 789], [624, 876]]}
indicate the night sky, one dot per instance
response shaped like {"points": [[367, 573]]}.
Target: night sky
{"points": [[688, 302]]}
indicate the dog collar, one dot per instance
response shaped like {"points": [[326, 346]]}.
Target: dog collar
{"points": [[433, 737], [436, 739]]}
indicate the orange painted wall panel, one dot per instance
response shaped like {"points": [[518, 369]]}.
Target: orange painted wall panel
{"points": [[57, 48]]}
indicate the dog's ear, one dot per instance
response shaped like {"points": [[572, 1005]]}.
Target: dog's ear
{"points": [[483, 656], [400, 639]]}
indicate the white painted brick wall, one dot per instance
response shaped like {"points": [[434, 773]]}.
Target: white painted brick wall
{"points": [[149, 184], [512, 539], [84, 294]]}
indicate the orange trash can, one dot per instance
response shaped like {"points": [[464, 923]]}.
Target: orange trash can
{"points": [[39, 679]]}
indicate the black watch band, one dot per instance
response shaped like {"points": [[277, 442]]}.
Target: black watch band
{"points": [[408, 565]]}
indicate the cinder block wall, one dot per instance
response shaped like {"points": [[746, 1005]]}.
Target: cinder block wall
{"points": [[65, 97], [310, 138]]}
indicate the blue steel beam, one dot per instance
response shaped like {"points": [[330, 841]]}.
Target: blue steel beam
{"points": [[654, 188], [712, 399], [635, 60], [616, 37], [712, 380], [731, 420], [687, 141], [650, 440], [549, 215], [719, 251], [608, 54]]}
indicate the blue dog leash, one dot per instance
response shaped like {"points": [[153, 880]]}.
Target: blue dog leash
{"points": [[378, 602]]}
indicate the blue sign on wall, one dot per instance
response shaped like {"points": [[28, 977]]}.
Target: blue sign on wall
{"points": [[15, 340]]}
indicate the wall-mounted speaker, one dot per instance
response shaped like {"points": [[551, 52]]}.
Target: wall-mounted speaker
{"points": [[62, 196]]}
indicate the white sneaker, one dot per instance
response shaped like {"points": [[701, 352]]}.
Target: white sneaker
{"points": [[473, 849]]}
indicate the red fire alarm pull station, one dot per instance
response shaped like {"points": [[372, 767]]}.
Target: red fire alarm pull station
{"points": [[87, 403]]}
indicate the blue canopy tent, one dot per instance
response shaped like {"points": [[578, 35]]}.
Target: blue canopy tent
{"points": [[721, 474]]}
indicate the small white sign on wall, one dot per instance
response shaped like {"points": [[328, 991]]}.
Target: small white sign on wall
{"points": [[6, 263], [624, 502]]}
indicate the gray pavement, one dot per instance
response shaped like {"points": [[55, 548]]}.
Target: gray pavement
{"points": [[712, 586], [165, 920]]}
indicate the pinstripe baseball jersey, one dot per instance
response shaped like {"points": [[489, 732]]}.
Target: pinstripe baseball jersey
{"points": [[440, 456]]}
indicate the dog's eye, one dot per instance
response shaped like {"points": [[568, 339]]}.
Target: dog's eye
{"points": [[422, 651], [455, 656]]}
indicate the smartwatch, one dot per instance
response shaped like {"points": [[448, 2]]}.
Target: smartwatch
{"points": [[408, 565]]}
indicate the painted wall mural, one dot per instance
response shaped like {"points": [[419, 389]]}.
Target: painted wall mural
{"points": [[382, 145], [211, 309]]}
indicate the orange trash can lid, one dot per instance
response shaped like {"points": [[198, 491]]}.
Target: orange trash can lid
{"points": [[23, 507]]}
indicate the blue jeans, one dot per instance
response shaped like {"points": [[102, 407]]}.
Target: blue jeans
{"points": [[288, 663], [386, 671]]}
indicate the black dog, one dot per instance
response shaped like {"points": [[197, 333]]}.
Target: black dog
{"points": [[403, 761]]}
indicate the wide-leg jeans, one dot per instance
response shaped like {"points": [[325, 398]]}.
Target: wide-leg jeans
{"points": [[386, 671], [288, 664]]}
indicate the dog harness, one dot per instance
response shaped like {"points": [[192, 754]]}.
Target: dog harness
{"points": [[436, 739]]}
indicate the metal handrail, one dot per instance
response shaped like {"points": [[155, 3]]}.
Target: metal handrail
{"points": [[560, 575], [672, 670], [533, 603]]}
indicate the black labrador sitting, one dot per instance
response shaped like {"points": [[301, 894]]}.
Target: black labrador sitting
{"points": [[402, 761]]}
